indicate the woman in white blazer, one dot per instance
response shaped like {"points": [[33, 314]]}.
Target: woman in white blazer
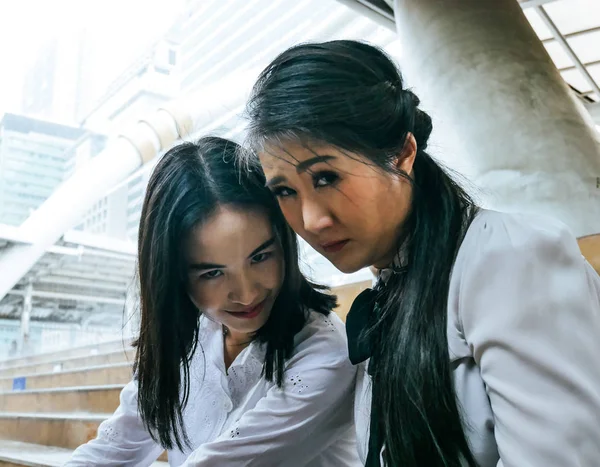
{"points": [[480, 344], [239, 361]]}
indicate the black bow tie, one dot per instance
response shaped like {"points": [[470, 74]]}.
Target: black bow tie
{"points": [[357, 322]]}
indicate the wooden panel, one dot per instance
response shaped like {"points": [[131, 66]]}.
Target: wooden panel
{"points": [[83, 351], [104, 375], [96, 400], [590, 248], [346, 295], [62, 433], [118, 356]]}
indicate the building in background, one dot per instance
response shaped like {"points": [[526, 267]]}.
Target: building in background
{"points": [[54, 86], [153, 79], [146, 84], [136, 190], [34, 160], [108, 216]]}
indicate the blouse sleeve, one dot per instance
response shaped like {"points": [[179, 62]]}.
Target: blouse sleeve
{"points": [[121, 440], [530, 311], [292, 425]]}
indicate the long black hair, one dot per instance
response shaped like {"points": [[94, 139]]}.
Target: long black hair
{"points": [[187, 186], [351, 95]]}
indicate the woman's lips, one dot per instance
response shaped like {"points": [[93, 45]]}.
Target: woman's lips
{"points": [[249, 313], [334, 247]]}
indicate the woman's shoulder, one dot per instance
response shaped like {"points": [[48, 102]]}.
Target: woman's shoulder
{"points": [[521, 243], [501, 233], [322, 338]]}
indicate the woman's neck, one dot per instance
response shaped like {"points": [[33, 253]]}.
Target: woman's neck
{"points": [[233, 344]]}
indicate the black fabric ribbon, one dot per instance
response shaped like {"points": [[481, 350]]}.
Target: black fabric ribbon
{"points": [[357, 321], [362, 314]]}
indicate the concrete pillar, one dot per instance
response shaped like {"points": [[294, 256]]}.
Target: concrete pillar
{"points": [[506, 113], [26, 318]]}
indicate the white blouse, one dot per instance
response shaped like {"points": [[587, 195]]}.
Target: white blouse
{"points": [[524, 340], [237, 418]]}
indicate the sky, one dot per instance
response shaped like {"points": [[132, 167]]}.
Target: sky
{"points": [[121, 28]]}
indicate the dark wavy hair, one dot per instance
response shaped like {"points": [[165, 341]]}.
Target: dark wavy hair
{"points": [[187, 186], [351, 95]]}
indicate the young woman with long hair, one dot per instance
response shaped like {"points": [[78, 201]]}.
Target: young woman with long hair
{"points": [[483, 334], [240, 361]]}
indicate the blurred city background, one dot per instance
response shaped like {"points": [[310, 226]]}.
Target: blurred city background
{"points": [[77, 74]]}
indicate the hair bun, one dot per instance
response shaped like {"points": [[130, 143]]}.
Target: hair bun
{"points": [[422, 124], [422, 129], [411, 97]]}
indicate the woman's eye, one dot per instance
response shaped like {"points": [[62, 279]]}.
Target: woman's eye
{"points": [[283, 192], [259, 258], [321, 179], [211, 274]]}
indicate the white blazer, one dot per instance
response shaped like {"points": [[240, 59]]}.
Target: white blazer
{"points": [[524, 341]]}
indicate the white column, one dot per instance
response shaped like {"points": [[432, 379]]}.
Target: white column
{"points": [[507, 117]]}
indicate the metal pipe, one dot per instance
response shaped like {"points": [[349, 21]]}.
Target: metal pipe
{"points": [[123, 155]]}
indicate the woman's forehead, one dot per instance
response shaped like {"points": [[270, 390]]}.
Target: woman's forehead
{"points": [[296, 156], [228, 234]]}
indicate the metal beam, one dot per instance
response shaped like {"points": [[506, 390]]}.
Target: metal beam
{"points": [[13, 234], [68, 296], [54, 280], [533, 3], [79, 298], [100, 242], [120, 279], [571, 35], [82, 252], [586, 64], [594, 110], [567, 48], [369, 10], [386, 19]]}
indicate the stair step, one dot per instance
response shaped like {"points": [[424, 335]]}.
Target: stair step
{"points": [[114, 373], [81, 351], [15, 453], [116, 356], [50, 429], [86, 399], [32, 455]]}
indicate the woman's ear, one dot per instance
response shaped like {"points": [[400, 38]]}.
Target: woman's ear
{"points": [[405, 161]]}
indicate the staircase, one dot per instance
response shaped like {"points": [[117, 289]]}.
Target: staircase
{"points": [[50, 404]]}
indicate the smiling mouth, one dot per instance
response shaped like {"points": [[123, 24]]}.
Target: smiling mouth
{"points": [[251, 312], [334, 247]]}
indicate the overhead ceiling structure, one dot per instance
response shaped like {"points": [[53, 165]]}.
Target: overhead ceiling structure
{"points": [[569, 29], [82, 279], [83, 275]]}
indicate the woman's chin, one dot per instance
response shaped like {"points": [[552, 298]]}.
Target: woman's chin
{"points": [[347, 267]]}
